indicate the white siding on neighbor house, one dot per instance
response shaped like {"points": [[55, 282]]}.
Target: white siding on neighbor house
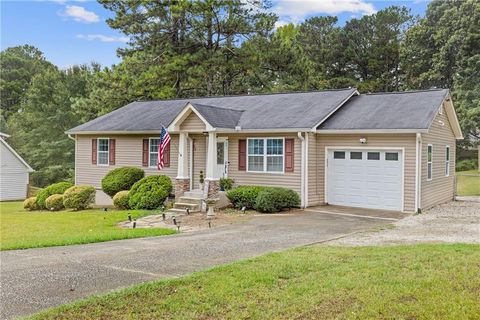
{"points": [[290, 180], [128, 152], [406, 141], [441, 188], [13, 176]]}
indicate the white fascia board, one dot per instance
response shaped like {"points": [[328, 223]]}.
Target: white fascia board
{"points": [[189, 108], [369, 131]]}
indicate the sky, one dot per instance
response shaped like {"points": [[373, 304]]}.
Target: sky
{"points": [[72, 32]]}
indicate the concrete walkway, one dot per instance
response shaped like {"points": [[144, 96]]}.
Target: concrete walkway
{"points": [[35, 279]]}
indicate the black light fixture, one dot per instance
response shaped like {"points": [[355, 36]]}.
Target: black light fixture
{"points": [[134, 223], [174, 220], [105, 209], [188, 211], [163, 216], [129, 217]]}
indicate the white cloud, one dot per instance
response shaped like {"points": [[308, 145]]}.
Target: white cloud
{"points": [[80, 14], [297, 10], [103, 38]]}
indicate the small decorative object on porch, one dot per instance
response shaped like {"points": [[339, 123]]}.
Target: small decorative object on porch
{"points": [[201, 180], [211, 204]]}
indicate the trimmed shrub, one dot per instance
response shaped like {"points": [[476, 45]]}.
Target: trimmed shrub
{"points": [[56, 188], [467, 164], [120, 200], [150, 192], [54, 202], [30, 204], [78, 197], [275, 199], [121, 179], [244, 196], [226, 183]]}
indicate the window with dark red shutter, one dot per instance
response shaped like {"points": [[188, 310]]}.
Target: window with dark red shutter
{"points": [[145, 153], [94, 151], [242, 155], [111, 150], [289, 152]]}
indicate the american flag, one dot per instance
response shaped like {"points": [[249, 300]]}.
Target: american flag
{"points": [[164, 141]]}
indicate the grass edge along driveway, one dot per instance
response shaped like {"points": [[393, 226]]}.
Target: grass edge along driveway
{"points": [[316, 282], [21, 229], [468, 183]]}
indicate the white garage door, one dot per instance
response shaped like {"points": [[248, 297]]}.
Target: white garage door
{"points": [[365, 178]]}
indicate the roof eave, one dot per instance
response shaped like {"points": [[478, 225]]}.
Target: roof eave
{"points": [[369, 131], [354, 92]]}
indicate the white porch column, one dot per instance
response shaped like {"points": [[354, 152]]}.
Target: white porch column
{"points": [[182, 171], [211, 155]]}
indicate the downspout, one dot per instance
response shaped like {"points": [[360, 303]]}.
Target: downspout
{"points": [[75, 158], [302, 173], [418, 174], [306, 168]]}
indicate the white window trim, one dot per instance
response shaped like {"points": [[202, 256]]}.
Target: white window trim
{"points": [[265, 155], [149, 152], [447, 162], [431, 163], [98, 152]]}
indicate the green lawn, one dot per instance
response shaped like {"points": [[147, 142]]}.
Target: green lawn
{"points": [[20, 229], [468, 183], [317, 282]]}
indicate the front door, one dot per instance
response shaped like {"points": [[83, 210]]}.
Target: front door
{"points": [[221, 167]]}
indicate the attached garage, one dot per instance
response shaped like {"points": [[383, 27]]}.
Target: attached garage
{"points": [[366, 178]]}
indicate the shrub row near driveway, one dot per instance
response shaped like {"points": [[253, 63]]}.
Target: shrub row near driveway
{"points": [[56, 188], [263, 199]]}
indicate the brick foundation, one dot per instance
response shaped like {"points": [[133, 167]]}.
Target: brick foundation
{"points": [[212, 187], [181, 185]]}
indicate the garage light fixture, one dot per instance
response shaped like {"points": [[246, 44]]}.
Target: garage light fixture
{"points": [[363, 140]]}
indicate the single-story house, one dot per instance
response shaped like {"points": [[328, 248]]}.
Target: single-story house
{"points": [[14, 172], [391, 151]]}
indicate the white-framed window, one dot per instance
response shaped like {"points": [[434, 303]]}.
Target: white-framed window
{"points": [[153, 152], [103, 151], [266, 155], [447, 160], [429, 162]]}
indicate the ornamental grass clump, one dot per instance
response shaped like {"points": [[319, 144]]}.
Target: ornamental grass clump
{"points": [[120, 200], [121, 179], [79, 197], [56, 188], [54, 202], [150, 192]]}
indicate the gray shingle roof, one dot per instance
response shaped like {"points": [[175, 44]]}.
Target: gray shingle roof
{"points": [[264, 111], [401, 110]]}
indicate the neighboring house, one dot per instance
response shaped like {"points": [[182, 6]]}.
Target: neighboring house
{"points": [[393, 151], [14, 172]]}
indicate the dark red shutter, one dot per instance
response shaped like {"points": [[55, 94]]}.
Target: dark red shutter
{"points": [[289, 151], [111, 151], [242, 155], [145, 153], [94, 151], [166, 156]]}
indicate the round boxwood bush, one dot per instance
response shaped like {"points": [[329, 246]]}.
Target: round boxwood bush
{"points": [[244, 196], [30, 204], [79, 197], [150, 192], [120, 200], [275, 199], [56, 188], [54, 202], [121, 179]]}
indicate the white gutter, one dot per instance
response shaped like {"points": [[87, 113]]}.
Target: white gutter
{"points": [[306, 169], [302, 173], [418, 173]]}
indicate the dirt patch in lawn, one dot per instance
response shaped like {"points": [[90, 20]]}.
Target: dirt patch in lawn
{"points": [[192, 222], [447, 223]]}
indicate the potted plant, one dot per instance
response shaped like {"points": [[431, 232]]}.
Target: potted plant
{"points": [[201, 180], [226, 184]]}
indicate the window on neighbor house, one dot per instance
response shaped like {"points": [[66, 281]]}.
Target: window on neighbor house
{"points": [[102, 151], [265, 155], [429, 162]]}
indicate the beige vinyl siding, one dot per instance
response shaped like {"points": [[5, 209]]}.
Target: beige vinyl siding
{"points": [[199, 158], [290, 180], [441, 188], [128, 152], [406, 141], [313, 172], [193, 123]]}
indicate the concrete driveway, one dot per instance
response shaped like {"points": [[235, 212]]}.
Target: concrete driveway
{"points": [[35, 279]]}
